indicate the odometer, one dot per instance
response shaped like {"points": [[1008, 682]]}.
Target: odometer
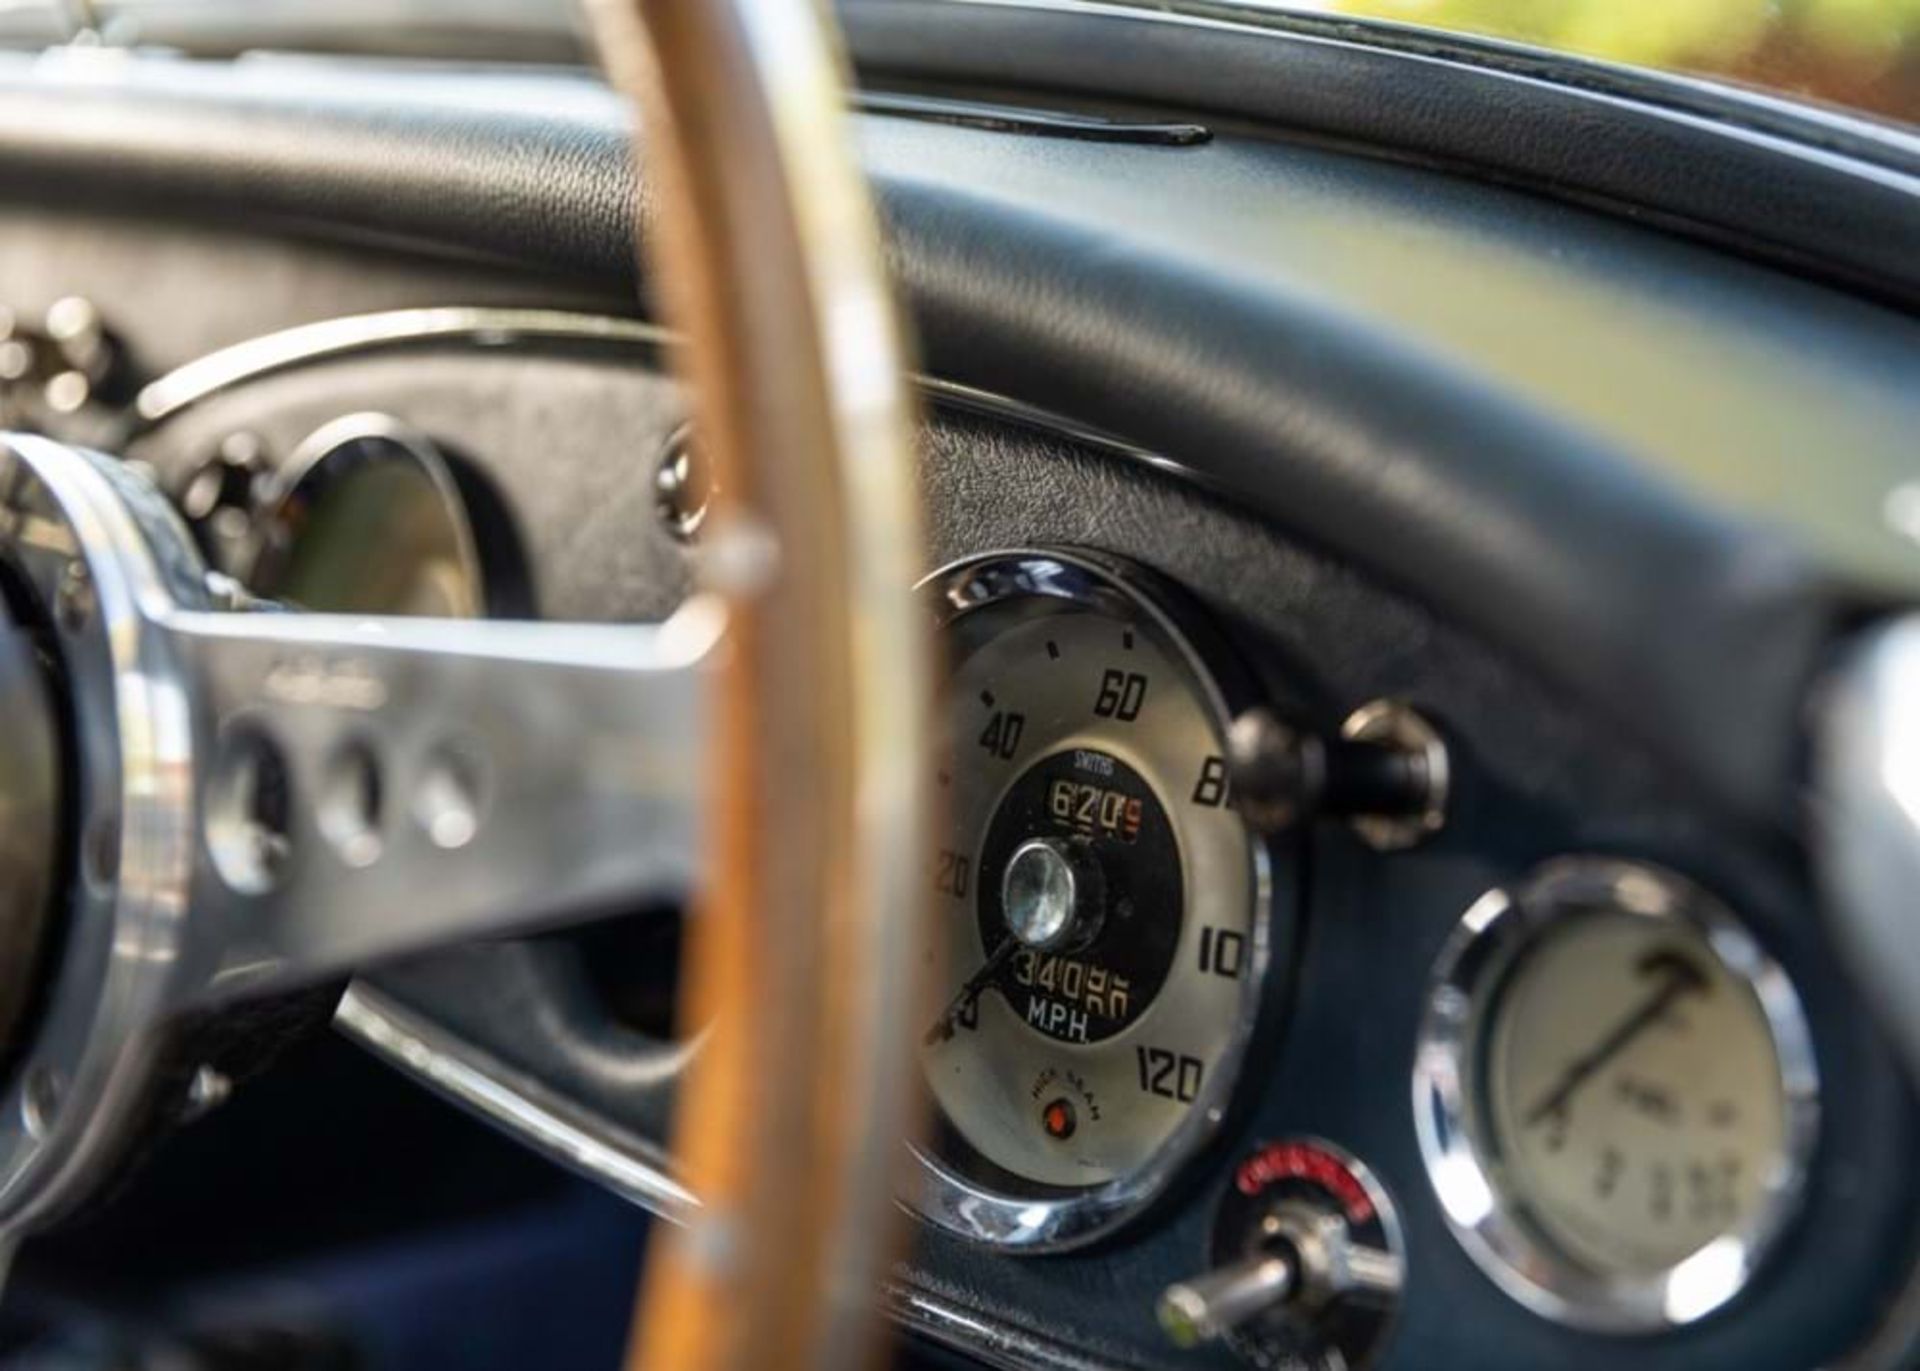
{"points": [[1104, 909]]}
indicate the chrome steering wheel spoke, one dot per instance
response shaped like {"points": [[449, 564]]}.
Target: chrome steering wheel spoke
{"points": [[372, 787]]}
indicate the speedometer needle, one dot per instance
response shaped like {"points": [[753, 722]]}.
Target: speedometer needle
{"points": [[1681, 977], [943, 1026]]}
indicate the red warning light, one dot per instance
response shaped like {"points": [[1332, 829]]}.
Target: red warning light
{"points": [[1305, 1162], [1059, 1121]]}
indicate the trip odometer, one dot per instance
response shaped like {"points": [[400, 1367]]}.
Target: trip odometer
{"points": [[1104, 910]]}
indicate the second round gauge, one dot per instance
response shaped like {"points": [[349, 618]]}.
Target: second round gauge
{"points": [[1102, 902], [1615, 1093]]}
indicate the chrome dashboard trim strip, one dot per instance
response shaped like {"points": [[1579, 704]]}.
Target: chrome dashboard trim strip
{"points": [[953, 395], [495, 327], [304, 343]]}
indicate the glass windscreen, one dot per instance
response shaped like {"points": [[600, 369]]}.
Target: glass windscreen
{"points": [[1859, 54]]}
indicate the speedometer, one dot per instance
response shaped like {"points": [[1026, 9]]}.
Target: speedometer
{"points": [[1104, 911]]}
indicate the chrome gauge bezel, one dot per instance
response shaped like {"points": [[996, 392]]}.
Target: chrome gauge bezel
{"points": [[1050, 1219], [1450, 1105], [335, 451]]}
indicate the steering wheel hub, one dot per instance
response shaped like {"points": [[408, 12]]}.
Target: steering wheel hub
{"points": [[84, 545], [30, 808]]}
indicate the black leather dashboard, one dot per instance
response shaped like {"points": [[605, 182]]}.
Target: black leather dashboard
{"points": [[1307, 328]]}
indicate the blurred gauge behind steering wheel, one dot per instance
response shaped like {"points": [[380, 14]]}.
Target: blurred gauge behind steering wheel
{"points": [[368, 516]]}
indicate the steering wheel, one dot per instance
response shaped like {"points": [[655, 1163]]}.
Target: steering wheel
{"points": [[208, 808]]}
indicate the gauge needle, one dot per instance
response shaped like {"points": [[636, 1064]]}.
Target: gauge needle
{"points": [[943, 1026], [1682, 977]]}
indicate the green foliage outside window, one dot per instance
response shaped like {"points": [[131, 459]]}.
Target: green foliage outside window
{"points": [[1862, 53]]}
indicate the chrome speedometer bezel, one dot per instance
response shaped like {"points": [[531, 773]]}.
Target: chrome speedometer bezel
{"points": [[1061, 1219], [1449, 1103]]}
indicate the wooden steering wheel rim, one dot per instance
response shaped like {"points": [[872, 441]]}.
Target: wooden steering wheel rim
{"points": [[804, 956]]}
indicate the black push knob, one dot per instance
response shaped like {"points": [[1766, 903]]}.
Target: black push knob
{"points": [[1387, 773]]}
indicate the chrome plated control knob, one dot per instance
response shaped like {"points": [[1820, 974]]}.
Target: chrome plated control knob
{"points": [[1200, 1310], [1308, 1263]]}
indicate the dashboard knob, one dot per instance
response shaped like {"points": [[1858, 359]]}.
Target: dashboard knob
{"points": [[1308, 1263], [1386, 775], [66, 374], [80, 337], [87, 356], [1201, 1309]]}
